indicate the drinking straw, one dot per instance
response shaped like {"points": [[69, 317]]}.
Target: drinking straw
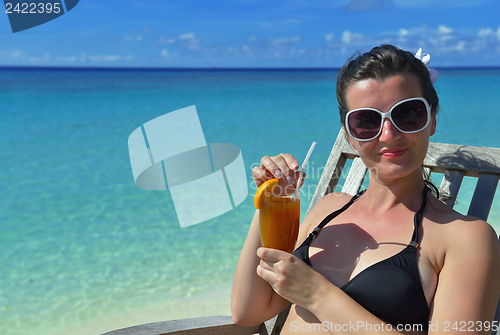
{"points": [[302, 169]]}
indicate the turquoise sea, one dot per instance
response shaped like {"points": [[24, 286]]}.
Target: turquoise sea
{"points": [[85, 251]]}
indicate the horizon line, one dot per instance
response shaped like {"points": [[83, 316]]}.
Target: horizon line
{"points": [[208, 68]]}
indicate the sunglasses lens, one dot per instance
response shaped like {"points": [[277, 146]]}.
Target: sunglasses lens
{"points": [[364, 124], [410, 115]]}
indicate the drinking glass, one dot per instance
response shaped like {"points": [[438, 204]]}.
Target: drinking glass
{"points": [[279, 221]]}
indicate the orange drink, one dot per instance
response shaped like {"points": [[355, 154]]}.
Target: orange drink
{"points": [[279, 222]]}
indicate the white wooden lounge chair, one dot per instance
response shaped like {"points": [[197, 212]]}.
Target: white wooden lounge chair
{"points": [[454, 161]]}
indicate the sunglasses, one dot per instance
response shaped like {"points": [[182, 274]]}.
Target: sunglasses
{"points": [[408, 116]]}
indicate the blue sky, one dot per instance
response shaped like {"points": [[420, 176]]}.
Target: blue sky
{"points": [[255, 33]]}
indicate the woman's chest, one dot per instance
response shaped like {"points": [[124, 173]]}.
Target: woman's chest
{"points": [[347, 253]]}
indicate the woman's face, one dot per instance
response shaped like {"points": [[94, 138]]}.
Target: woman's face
{"points": [[392, 154]]}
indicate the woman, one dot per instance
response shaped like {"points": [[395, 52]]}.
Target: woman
{"points": [[394, 258]]}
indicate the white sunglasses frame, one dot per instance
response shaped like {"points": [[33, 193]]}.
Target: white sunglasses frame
{"points": [[388, 115]]}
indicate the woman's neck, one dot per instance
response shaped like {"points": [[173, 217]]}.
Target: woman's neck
{"points": [[382, 195]]}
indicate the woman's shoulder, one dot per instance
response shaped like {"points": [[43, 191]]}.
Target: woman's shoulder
{"points": [[459, 234], [332, 201], [466, 230], [452, 221]]}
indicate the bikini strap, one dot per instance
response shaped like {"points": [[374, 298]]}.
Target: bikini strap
{"points": [[333, 215], [417, 219]]}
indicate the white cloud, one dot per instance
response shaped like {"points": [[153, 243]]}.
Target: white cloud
{"points": [[69, 59], [351, 38], [257, 48], [488, 32], [137, 38], [12, 54], [188, 36], [367, 5], [189, 41], [444, 30], [487, 40], [101, 58], [322, 3], [84, 58], [403, 32], [286, 40], [164, 40], [437, 3], [166, 54], [485, 32], [346, 37], [382, 4], [48, 58], [442, 41], [459, 46], [106, 58]]}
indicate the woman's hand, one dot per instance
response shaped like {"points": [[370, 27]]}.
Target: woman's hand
{"points": [[289, 276], [283, 167]]}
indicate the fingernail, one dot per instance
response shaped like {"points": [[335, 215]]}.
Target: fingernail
{"points": [[290, 180], [278, 174], [294, 166]]}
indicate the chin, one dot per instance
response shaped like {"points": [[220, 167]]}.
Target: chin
{"points": [[393, 170]]}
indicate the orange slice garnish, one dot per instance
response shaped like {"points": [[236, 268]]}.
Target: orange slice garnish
{"points": [[265, 190]]}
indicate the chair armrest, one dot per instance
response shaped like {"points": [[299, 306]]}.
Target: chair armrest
{"points": [[221, 325]]}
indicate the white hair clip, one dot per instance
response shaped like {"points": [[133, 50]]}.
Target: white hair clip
{"points": [[426, 59]]}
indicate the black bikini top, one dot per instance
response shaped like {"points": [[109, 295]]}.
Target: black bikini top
{"points": [[390, 289]]}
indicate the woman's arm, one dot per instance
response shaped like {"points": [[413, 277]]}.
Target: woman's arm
{"points": [[252, 299], [469, 280]]}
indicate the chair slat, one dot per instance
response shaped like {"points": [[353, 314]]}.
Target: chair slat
{"points": [[472, 160], [221, 325], [497, 311], [483, 196], [450, 185], [427, 171], [275, 327], [355, 177], [333, 169]]}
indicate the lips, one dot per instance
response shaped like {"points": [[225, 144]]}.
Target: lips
{"points": [[393, 152]]}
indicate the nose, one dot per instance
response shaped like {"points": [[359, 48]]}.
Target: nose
{"points": [[389, 132]]}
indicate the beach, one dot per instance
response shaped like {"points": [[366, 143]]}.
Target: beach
{"points": [[85, 251]]}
